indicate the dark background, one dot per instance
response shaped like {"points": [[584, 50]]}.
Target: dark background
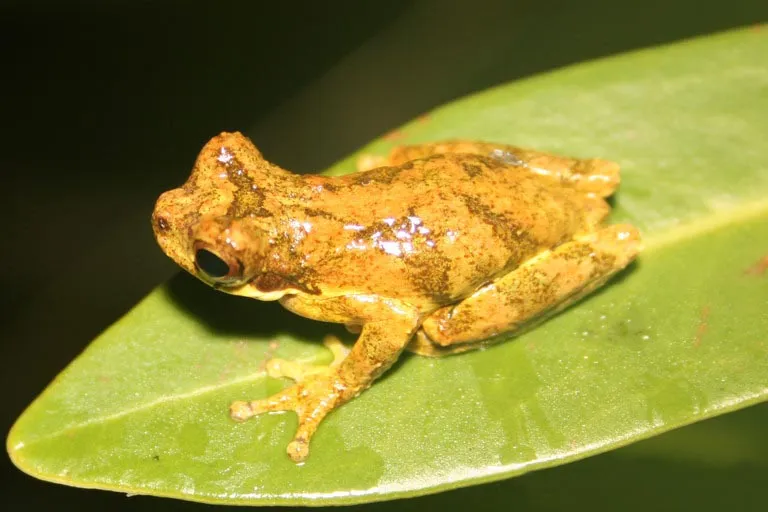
{"points": [[106, 103]]}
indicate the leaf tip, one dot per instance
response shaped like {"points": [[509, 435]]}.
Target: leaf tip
{"points": [[14, 446]]}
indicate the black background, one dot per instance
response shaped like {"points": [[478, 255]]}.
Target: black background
{"points": [[105, 105]]}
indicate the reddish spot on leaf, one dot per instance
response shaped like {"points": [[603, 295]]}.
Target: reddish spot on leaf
{"points": [[241, 350], [424, 118], [226, 373], [759, 268], [703, 327]]}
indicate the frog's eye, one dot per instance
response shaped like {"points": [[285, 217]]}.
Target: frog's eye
{"points": [[217, 268]]}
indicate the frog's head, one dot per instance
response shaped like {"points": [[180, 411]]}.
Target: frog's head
{"points": [[214, 226], [227, 253]]}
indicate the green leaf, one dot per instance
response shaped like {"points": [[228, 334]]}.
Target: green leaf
{"points": [[679, 337]]}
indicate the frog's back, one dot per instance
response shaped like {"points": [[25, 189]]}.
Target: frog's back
{"points": [[471, 187], [437, 228]]}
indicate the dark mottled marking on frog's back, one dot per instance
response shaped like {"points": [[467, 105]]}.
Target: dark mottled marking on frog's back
{"points": [[385, 175], [430, 272], [331, 187], [368, 231], [248, 199], [488, 162], [428, 269], [190, 219], [516, 240], [292, 275], [472, 170], [315, 212]]}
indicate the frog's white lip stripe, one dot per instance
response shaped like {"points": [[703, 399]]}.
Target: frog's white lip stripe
{"points": [[249, 290]]}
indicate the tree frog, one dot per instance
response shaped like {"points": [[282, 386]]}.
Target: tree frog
{"points": [[437, 248]]}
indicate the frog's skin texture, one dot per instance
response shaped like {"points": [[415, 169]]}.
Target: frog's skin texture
{"points": [[438, 248]]}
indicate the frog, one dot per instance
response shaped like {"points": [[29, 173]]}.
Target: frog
{"points": [[435, 248]]}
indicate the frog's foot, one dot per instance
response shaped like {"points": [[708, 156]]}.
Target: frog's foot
{"points": [[368, 162], [278, 368], [316, 393]]}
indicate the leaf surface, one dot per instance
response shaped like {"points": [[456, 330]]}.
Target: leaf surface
{"points": [[682, 335]]}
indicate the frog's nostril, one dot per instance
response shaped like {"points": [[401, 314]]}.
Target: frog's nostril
{"points": [[162, 223], [211, 264]]}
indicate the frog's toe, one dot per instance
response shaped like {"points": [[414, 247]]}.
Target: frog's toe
{"points": [[622, 241], [298, 450], [278, 368], [312, 407], [337, 348], [367, 162], [298, 372], [317, 392], [284, 400], [311, 400], [240, 410]]}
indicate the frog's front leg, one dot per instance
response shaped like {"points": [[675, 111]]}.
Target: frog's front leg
{"points": [[537, 289], [387, 326]]}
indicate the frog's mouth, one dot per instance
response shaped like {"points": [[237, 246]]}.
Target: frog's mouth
{"points": [[253, 292]]}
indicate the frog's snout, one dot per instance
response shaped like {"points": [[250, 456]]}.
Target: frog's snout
{"points": [[165, 212]]}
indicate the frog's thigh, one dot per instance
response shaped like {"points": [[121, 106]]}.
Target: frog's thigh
{"points": [[592, 176], [588, 175], [544, 285], [402, 154]]}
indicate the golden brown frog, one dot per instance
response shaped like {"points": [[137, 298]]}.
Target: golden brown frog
{"points": [[438, 249]]}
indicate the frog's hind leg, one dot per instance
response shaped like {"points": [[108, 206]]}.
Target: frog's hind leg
{"points": [[590, 175], [402, 154], [536, 290], [596, 209]]}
